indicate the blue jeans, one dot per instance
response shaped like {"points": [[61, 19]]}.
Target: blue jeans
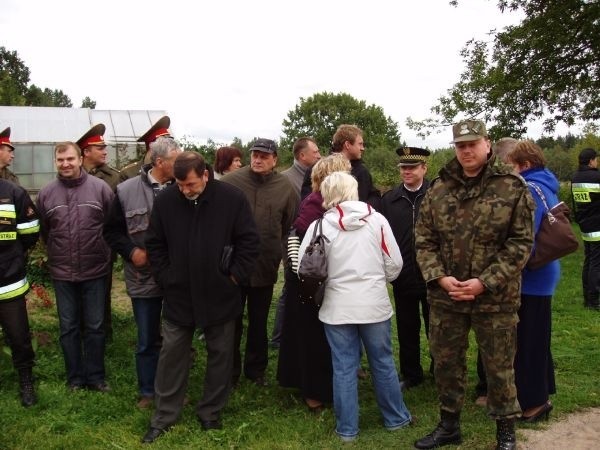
{"points": [[77, 301], [344, 341], [146, 312]]}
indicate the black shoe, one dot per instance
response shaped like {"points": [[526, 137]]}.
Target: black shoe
{"points": [[505, 434], [74, 387], [260, 381], [447, 432], [211, 424], [410, 383], [542, 414], [152, 434], [99, 387]]}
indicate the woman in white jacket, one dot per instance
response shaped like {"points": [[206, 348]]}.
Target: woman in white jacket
{"points": [[362, 255]]}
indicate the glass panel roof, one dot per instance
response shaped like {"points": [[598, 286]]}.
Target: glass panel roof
{"points": [[31, 124]]}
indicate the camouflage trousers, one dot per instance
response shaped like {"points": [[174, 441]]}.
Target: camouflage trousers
{"points": [[496, 335]]}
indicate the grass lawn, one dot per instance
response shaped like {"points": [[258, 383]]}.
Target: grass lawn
{"points": [[264, 418]]}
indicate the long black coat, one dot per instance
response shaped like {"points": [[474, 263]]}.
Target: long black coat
{"points": [[185, 244]]}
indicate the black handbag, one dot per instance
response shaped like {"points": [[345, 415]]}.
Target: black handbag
{"points": [[555, 237], [312, 271]]}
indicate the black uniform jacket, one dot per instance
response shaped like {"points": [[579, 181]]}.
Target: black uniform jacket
{"points": [[185, 244]]}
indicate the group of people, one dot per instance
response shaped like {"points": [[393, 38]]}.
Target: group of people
{"points": [[202, 245]]}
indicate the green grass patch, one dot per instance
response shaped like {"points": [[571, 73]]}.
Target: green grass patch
{"points": [[272, 417]]}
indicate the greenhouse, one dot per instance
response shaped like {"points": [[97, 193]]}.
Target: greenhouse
{"points": [[36, 130]]}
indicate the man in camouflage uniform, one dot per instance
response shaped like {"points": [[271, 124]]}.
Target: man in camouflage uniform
{"points": [[473, 237], [160, 128], [7, 154], [93, 151]]}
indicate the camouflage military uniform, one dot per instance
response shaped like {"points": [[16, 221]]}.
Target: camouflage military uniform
{"points": [[111, 176], [475, 228], [6, 174]]}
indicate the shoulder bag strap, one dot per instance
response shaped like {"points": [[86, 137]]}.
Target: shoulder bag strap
{"points": [[539, 193]]}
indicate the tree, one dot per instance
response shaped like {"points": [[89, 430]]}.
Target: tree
{"points": [[547, 67], [88, 103], [15, 89], [14, 77], [320, 115]]}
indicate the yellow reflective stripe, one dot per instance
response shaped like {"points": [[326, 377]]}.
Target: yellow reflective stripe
{"points": [[8, 236], [28, 227], [6, 207], [592, 236], [14, 290], [8, 214]]}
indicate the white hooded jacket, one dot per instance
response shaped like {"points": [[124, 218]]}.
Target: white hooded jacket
{"points": [[362, 255]]}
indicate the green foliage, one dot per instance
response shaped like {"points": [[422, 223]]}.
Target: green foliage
{"points": [[37, 266], [319, 116], [547, 67], [88, 103], [16, 91], [209, 149]]}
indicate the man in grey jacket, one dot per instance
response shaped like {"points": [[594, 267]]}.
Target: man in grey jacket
{"points": [[125, 232], [72, 210]]}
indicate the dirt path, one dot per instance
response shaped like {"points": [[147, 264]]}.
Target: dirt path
{"points": [[577, 431]]}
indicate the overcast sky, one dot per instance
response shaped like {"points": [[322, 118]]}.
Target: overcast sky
{"points": [[235, 68]]}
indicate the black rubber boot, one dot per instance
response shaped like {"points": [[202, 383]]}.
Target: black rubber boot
{"points": [[447, 432], [505, 434], [26, 389]]}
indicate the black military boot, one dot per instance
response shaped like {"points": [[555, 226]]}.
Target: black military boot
{"points": [[447, 432], [26, 389], [505, 434]]}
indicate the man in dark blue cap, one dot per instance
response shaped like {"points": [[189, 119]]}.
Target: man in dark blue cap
{"points": [[400, 206]]}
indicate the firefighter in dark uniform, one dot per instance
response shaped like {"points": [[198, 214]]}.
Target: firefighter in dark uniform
{"points": [[93, 151], [7, 154], [160, 128], [19, 231], [585, 189]]}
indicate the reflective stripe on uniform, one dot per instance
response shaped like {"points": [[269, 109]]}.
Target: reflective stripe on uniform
{"points": [[7, 207], [28, 227], [592, 236], [14, 289], [8, 235], [581, 191]]}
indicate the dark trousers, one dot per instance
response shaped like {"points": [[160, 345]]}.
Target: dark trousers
{"points": [[279, 315], [256, 355], [590, 275], [14, 322], [78, 301], [173, 370], [534, 368], [408, 325], [146, 312]]}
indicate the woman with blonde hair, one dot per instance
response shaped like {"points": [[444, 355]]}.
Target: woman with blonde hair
{"points": [[362, 256], [534, 369], [304, 357]]}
